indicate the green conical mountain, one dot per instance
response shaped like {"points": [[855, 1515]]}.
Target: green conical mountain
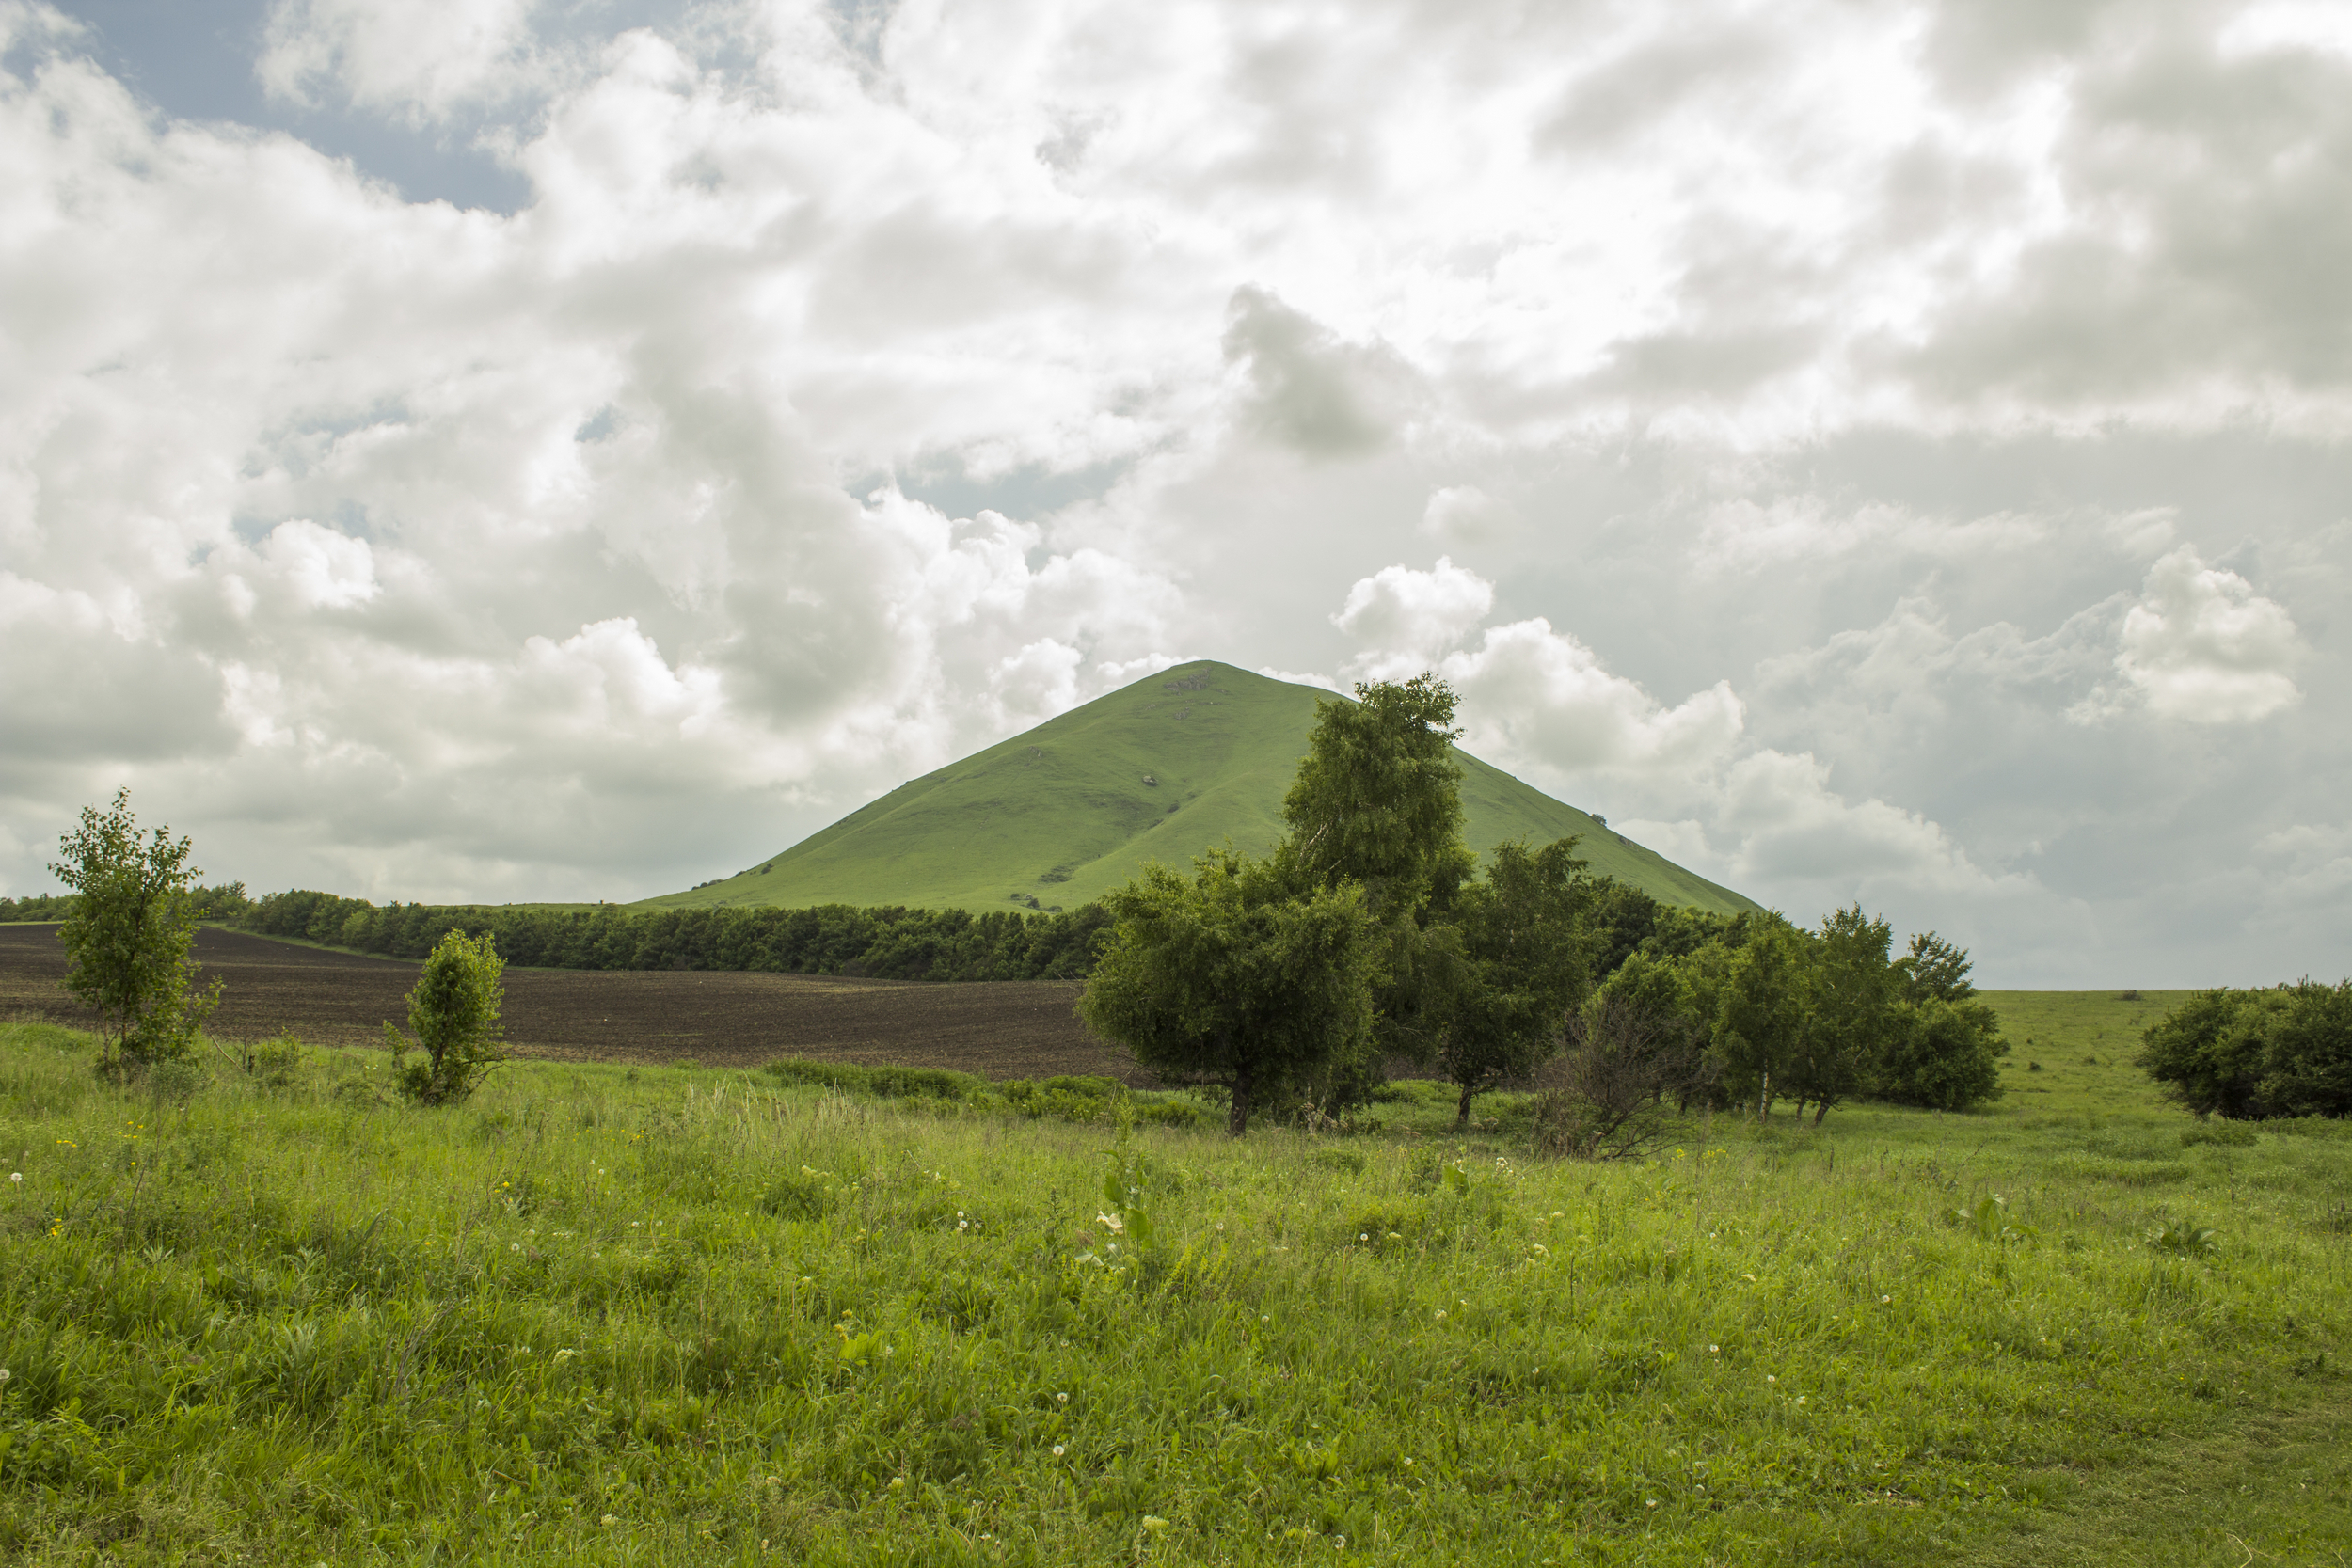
{"points": [[1163, 769]]}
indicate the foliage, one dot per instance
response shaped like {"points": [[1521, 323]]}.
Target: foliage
{"points": [[1934, 970], [1820, 1016], [1853, 1010], [1621, 918], [128, 937], [2255, 1055], [454, 1010], [879, 943], [36, 908], [1377, 799], [1942, 1054], [1764, 1015], [1527, 966], [886, 1083], [275, 1063], [1237, 977], [1605, 1098]]}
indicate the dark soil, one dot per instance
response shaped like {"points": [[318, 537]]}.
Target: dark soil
{"points": [[1003, 1029]]}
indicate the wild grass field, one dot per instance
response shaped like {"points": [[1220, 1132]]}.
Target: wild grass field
{"points": [[658, 1315]]}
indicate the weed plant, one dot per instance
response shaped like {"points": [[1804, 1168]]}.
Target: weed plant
{"points": [[652, 1316]]}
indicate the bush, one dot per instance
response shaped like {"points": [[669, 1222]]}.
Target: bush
{"points": [[454, 1009], [1604, 1096], [2257, 1054], [1944, 1055], [274, 1062], [886, 1083]]}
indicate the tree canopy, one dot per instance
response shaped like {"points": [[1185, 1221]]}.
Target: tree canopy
{"points": [[1237, 977]]}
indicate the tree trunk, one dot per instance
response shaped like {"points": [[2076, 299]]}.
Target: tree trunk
{"points": [[1764, 1100], [1820, 1112], [1461, 1112], [1237, 1120]]}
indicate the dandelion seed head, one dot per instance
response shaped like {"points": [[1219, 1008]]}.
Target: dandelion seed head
{"points": [[1059, 1451]]}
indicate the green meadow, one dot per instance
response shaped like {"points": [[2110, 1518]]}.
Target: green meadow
{"points": [[605, 1314], [1162, 769]]}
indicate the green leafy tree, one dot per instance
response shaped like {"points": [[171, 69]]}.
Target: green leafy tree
{"points": [[1526, 966], [129, 938], [1242, 975], [1855, 995], [1944, 1055], [1622, 917], [454, 1009], [1934, 968], [1764, 1014], [1377, 799]]}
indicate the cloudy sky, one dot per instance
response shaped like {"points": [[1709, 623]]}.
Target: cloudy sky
{"points": [[558, 449]]}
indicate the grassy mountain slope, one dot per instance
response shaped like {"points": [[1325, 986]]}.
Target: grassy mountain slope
{"points": [[1159, 770]]}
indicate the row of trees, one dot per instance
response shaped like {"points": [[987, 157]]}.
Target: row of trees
{"points": [[2280, 1050], [1815, 1017], [225, 902], [891, 943], [1367, 934]]}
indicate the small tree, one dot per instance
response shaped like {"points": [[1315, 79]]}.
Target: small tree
{"points": [[454, 1008], [1377, 799], [128, 940], [1239, 977], [1944, 1055], [1764, 1014], [1527, 965], [1853, 1010]]}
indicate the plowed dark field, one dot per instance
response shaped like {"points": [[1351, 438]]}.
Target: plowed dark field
{"points": [[1008, 1029]]}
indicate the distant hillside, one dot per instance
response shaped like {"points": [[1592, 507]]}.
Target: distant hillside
{"points": [[1162, 769]]}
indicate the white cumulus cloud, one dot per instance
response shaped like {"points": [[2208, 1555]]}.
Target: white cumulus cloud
{"points": [[2203, 647]]}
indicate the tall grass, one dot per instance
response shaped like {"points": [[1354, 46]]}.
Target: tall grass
{"points": [[653, 1315]]}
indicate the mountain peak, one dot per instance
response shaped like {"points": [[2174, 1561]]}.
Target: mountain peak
{"points": [[1164, 768]]}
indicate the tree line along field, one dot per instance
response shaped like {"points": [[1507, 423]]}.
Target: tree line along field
{"points": [[648, 1314]]}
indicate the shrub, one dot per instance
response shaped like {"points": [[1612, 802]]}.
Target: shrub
{"points": [[1066, 1097], [888, 1083], [1944, 1055], [274, 1062], [1604, 1096], [454, 1009], [2253, 1055]]}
